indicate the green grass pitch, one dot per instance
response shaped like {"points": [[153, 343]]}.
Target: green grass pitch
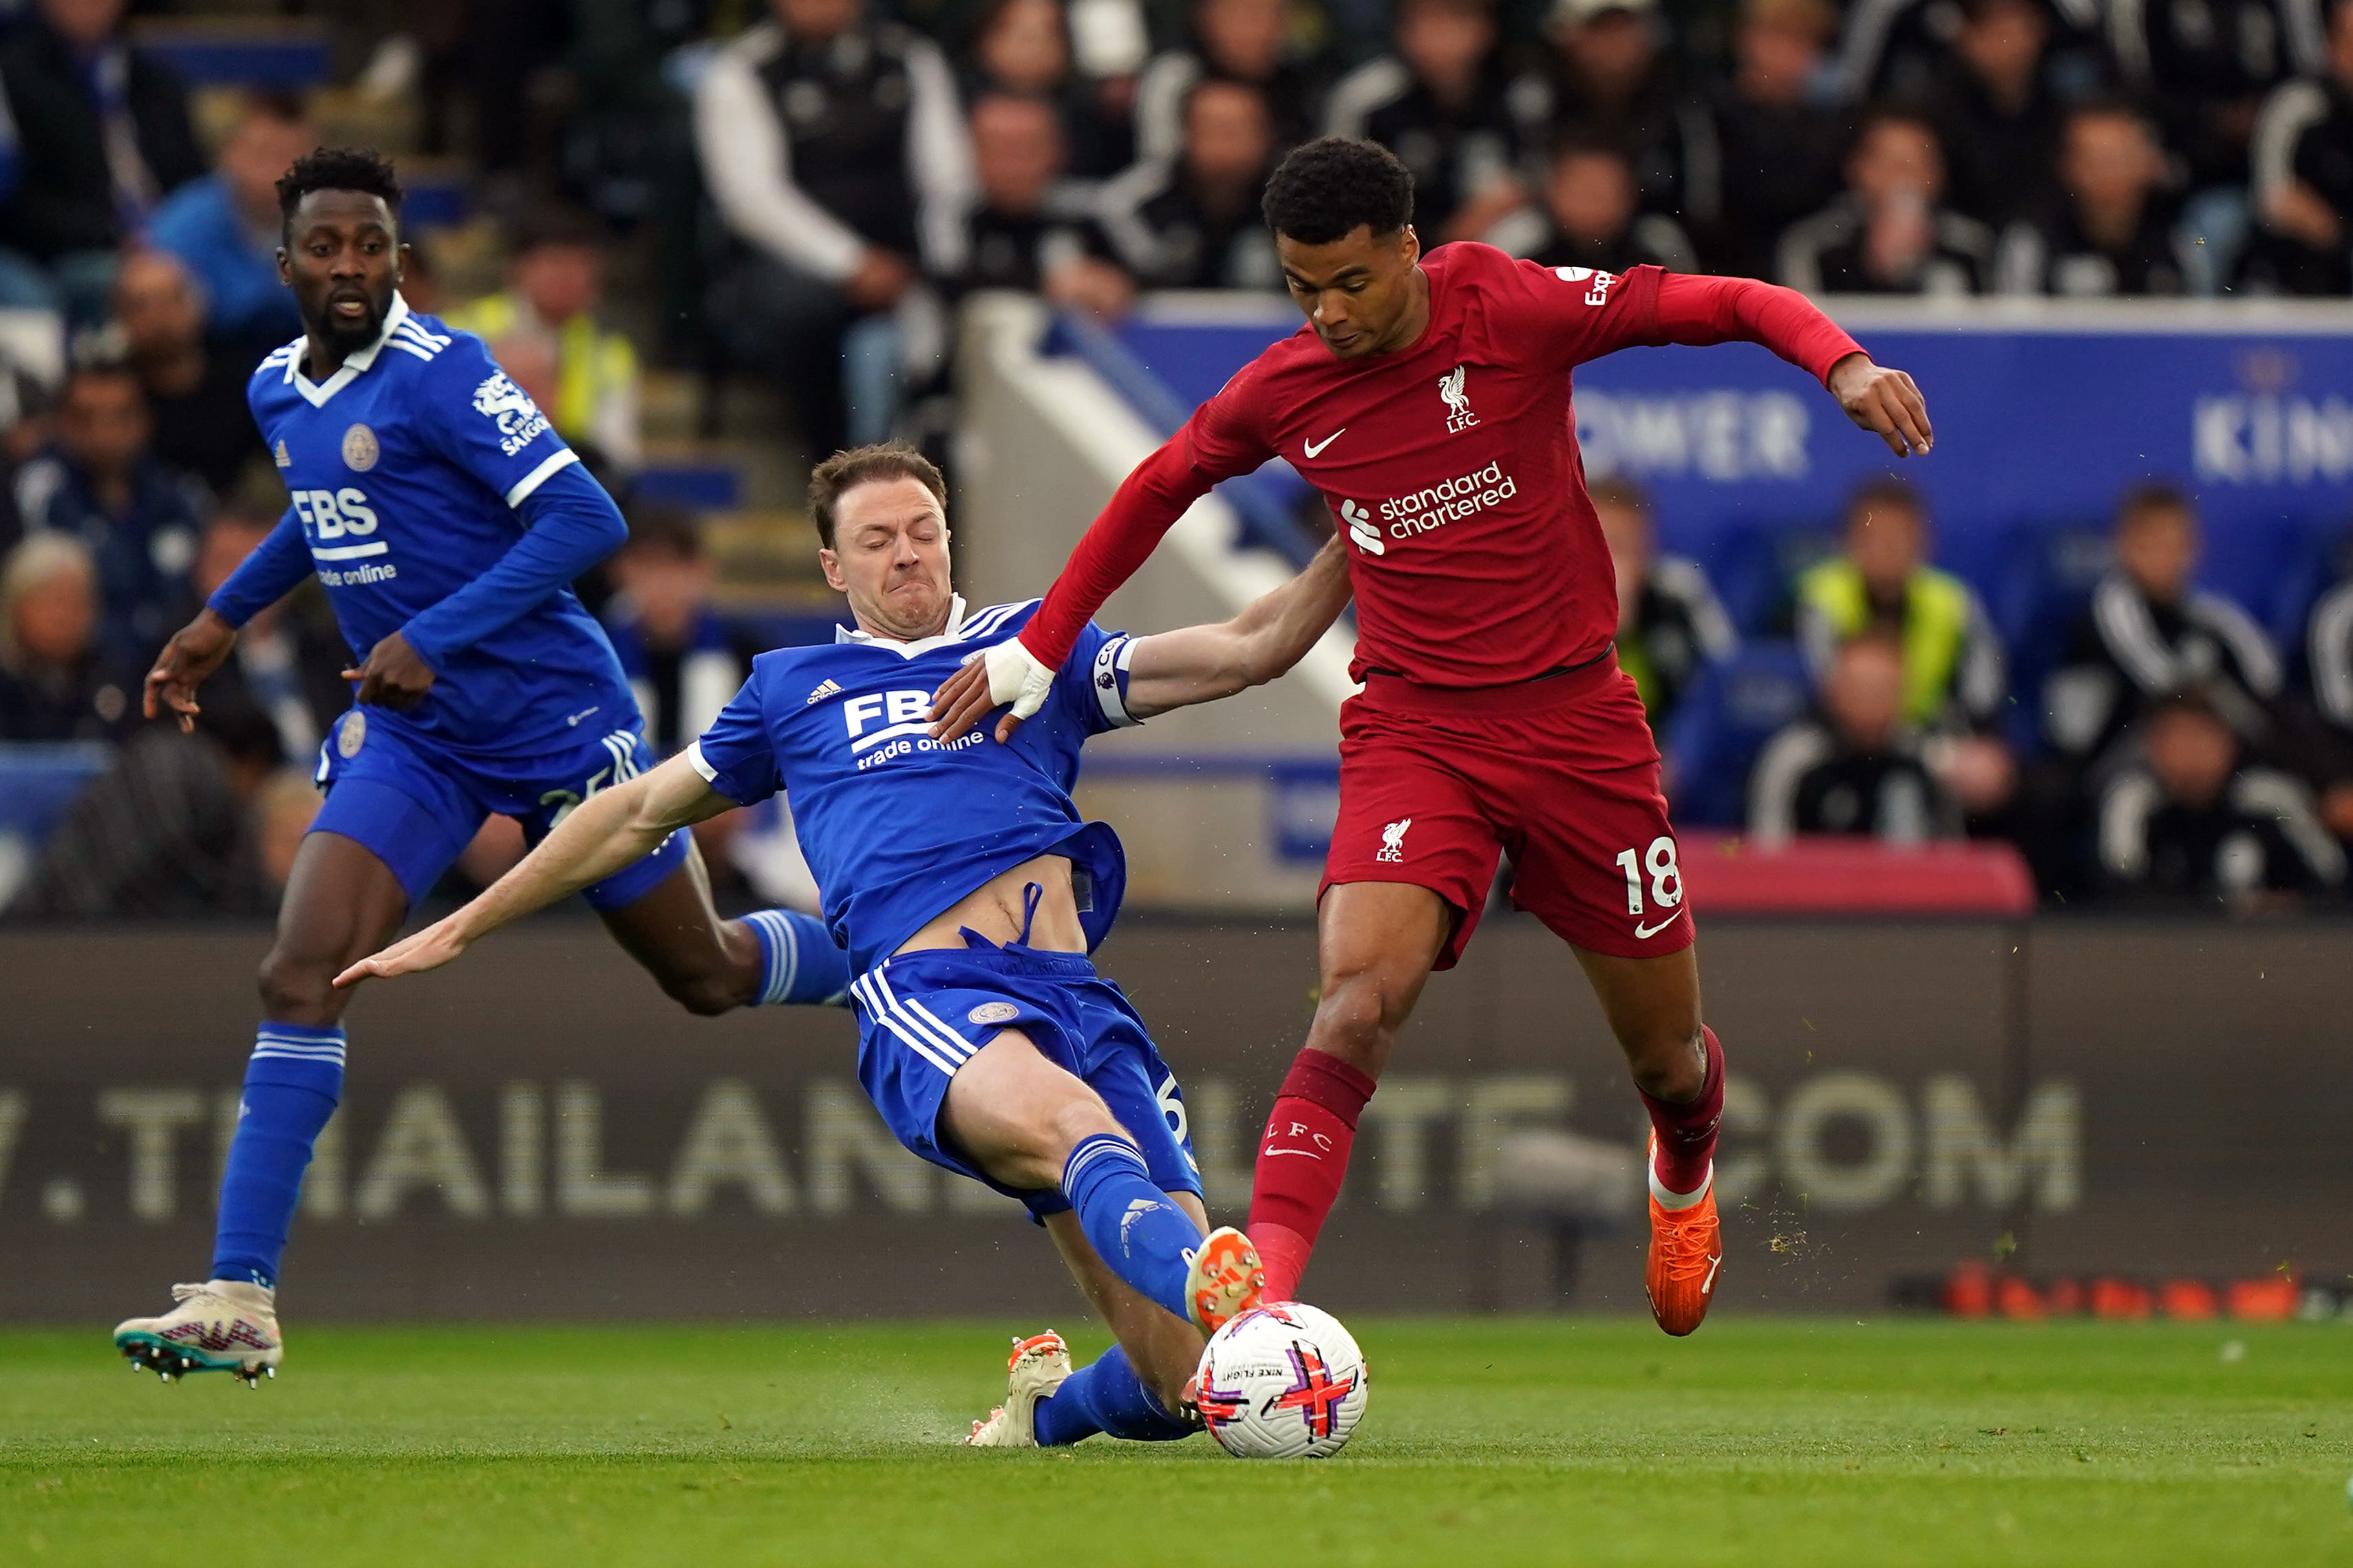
{"points": [[1759, 1442]]}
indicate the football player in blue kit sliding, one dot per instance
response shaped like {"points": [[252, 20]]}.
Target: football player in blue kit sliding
{"points": [[969, 892], [444, 520]]}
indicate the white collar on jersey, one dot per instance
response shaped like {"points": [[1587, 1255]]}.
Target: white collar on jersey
{"points": [[354, 363], [909, 649]]}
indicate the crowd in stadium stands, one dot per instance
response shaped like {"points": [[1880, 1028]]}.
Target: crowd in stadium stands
{"points": [[810, 187]]}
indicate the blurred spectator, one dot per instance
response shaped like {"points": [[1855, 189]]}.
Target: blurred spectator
{"points": [[1440, 103], [2148, 634], [2304, 179], [1023, 49], [1670, 625], [2113, 231], [286, 666], [835, 151], [1031, 231], [1764, 150], [1857, 768], [2193, 821], [176, 827], [1195, 224], [1889, 234], [101, 481], [195, 383], [56, 682], [2205, 65], [1590, 219], [2328, 662], [543, 330], [96, 133], [1955, 677], [1240, 41], [673, 647], [1995, 112], [1609, 81], [226, 226]]}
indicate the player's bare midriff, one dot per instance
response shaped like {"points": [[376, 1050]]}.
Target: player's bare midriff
{"points": [[993, 909]]}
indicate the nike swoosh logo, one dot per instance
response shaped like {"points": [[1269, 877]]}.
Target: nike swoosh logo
{"points": [[1315, 449], [1644, 933], [1714, 1264], [1277, 1153], [576, 718]]}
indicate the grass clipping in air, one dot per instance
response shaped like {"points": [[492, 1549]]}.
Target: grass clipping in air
{"points": [[1759, 1442]]}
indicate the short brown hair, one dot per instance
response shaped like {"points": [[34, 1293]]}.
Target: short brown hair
{"points": [[845, 471], [2154, 498]]}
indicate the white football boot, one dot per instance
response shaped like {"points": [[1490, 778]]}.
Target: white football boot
{"points": [[225, 1325], [1034, 1371]]}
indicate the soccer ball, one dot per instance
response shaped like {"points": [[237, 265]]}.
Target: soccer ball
{"points": [[1282, 1382]]}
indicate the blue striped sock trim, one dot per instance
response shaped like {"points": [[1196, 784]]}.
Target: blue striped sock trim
{"points": [[296, 1043], [780, 959], [1093, 1150]]}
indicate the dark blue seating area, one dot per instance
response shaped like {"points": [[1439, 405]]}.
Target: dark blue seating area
{"points": [[2035, 581]]}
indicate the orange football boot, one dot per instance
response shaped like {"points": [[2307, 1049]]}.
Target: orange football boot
{"points": [[1225, 1279], [1687, 1250]]}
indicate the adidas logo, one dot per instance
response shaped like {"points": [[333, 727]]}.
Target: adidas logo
{"points": [[830, 689], [283, 460]]}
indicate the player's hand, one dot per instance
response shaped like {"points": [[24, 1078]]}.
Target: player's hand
{"points": [[195, 651], [1004, 673], [1885, 402], [431, 948], [394, 677]]}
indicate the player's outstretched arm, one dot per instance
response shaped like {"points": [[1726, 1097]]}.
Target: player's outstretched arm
{"points": [[1882, 400], [202, 646], [1201, 664], [1219, 441], [610, 829]]}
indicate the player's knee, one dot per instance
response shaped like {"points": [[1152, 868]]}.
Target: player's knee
{"points": [[1669, 1064], [1358, 1018], [299, 988], [1063, 1126]]}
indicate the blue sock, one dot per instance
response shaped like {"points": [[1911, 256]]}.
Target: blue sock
{"points": [[799, 962], [1130, 1222], [1106, 1397], [291, 1084]]}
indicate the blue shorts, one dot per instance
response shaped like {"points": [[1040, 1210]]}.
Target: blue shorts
{"points": [[921, 1016], [416, 808]]}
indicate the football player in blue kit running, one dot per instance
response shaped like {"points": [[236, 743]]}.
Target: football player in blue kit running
{"points": [[969, 892], [446, 520]]}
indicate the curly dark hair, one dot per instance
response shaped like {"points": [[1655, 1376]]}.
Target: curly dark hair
{"points": [[1328, 187], [362, 169]]}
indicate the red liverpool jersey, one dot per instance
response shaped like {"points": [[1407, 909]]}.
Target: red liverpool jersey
{"points": [[1453, 464]]}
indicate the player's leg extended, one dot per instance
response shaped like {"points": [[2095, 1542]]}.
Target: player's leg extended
{"points": [[660, 911], [1376, 943], [1653, 1005], [342, 903], [1137, 1389], [1033, 1127]]}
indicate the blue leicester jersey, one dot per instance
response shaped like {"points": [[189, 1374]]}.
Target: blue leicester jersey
{"points": [[405, 467], [898, 827]]}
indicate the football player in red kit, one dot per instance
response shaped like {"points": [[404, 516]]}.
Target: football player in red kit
{"points": [[1427, 398]]}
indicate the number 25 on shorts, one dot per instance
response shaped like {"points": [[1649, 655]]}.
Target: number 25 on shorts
{"points": [[1666, 878]]}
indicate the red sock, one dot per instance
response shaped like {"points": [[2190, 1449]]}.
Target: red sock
{"points": [[1687, 1131], [1301, 1162]]}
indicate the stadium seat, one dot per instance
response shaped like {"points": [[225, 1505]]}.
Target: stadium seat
{"points": [[1753, 565], [39, 780], [1732, 711], [2044, 583]]}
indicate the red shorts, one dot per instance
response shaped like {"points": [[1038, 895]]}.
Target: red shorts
{"points": [[1561, 773]]}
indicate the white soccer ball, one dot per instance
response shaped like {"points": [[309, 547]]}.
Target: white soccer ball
{"points": [[1282, 1382]]}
